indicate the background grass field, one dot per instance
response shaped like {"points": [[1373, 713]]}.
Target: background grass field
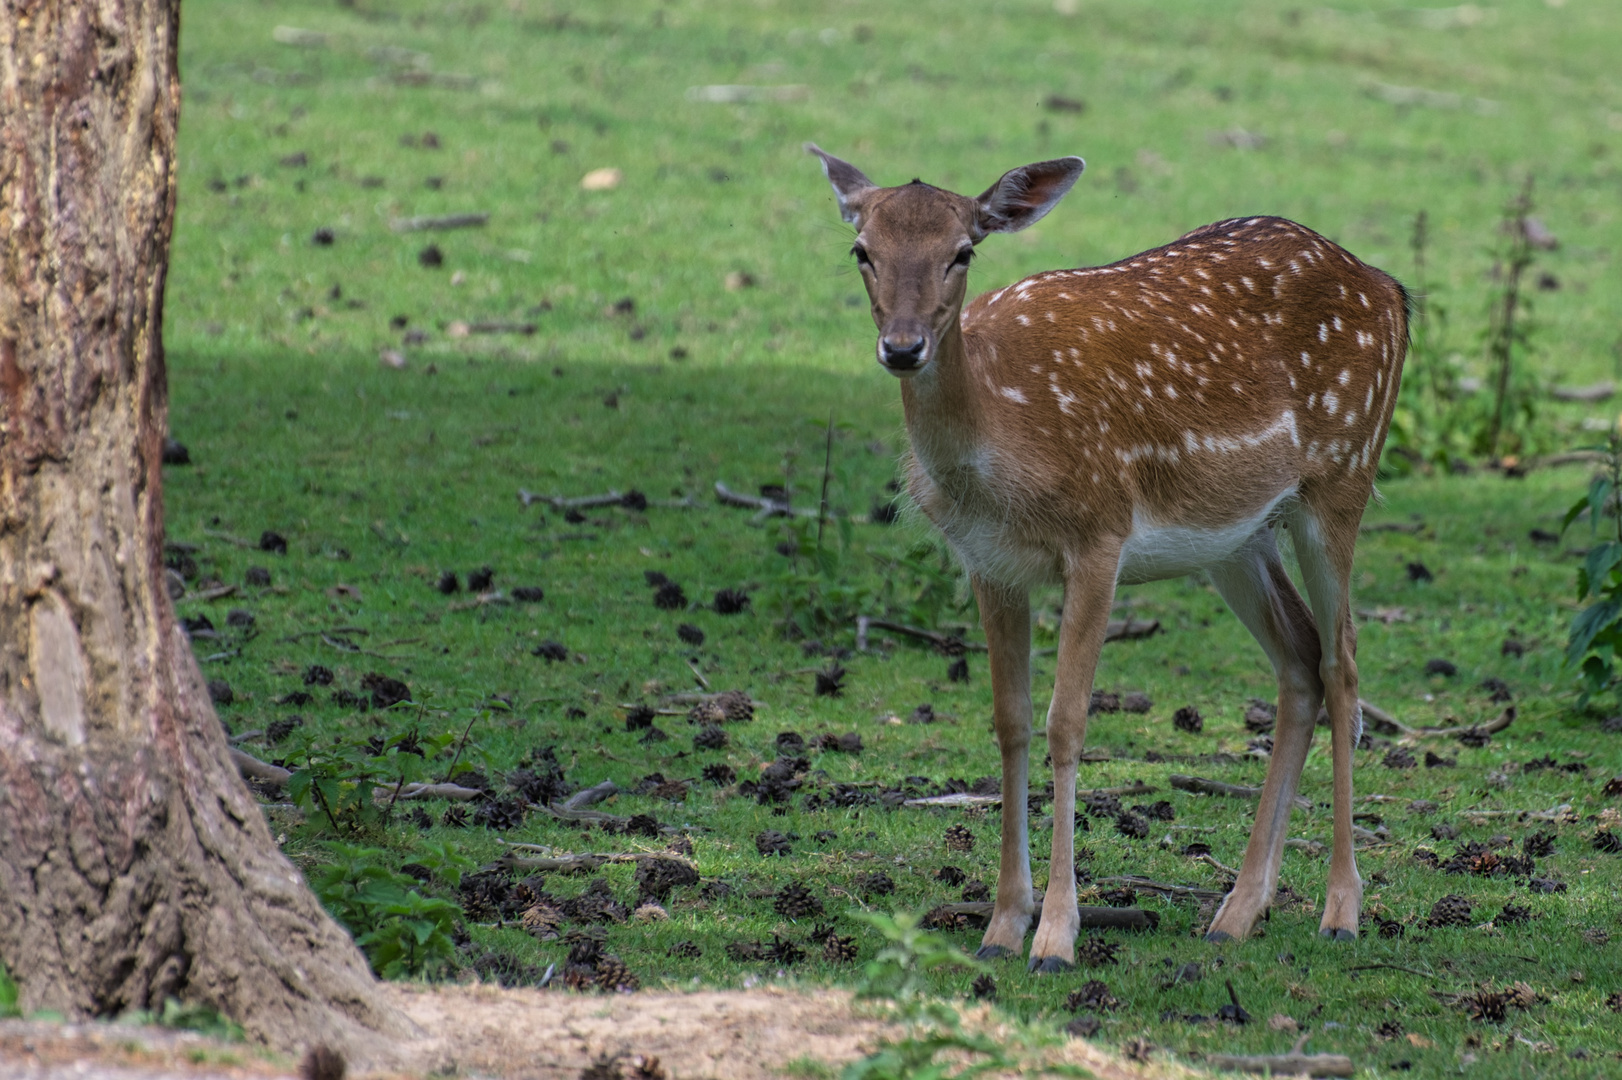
{"points": [[746, 330]]}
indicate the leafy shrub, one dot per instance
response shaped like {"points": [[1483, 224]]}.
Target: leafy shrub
{"points": [[1595, 639], [401, 931]]}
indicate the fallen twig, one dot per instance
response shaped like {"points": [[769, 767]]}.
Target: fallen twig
{"points": [[1093, 917], [767, 507], [1393, 967], [345, 630], [699, 675], [1558, 813], [1600, 391], [967, 800], [1492, 727], [1382, 721], [444, 221], [583, 864], [455, 792], [950, 644], [1295, 1063], [1143, 884], [250, 766], [1202, 786], [230, 539], [1211, 861], [590, 796]]}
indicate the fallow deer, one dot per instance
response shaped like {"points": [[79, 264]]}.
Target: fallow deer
{"points": [[1126, 423]]}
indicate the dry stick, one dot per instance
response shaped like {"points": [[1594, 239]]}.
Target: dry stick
{"points": [[1215, 865], [1295, 1063], [461, 743], [699, 675], [1380, 716], [1492, 727], [1202, 786], [454, 792], [767, 507], [944, 642], [827, 467], [965, 799], [362, 631], [591, 796], [229, 539], [1098, 918], [1600, 391], [447, 221], [1193, 892], [248, 765]]}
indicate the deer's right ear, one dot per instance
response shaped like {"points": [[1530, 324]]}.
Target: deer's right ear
{"points": [[1024, 195], [848, 183]]}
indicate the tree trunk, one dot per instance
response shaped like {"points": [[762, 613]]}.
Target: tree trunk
{"points": [[134, 864]]}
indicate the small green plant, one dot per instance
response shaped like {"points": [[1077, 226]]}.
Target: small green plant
{"points": [[203, 1019], [1595, 640], [1428, 425], [9, 994], [1508, 337], [402, 932], [898, 975], [337, 780]]}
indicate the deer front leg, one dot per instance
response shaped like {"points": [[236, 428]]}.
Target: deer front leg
{"points": [[1089, 590], [1006, 616]]}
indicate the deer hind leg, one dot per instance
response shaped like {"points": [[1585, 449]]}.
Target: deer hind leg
{"points": [[1006, 617], [1257, 588], [1324, 539], [1089, 590]]}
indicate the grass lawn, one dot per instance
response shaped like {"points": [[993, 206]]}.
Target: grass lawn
{"points": [[380, 397]]}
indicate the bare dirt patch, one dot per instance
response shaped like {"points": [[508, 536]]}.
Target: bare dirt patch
{"points": [[529, 1035]]}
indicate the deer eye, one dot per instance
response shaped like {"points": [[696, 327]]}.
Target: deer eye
{"points": [[861, 256], [964, 257]]}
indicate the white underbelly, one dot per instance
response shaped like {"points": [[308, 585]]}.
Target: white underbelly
{"points": [[1154, 551]]}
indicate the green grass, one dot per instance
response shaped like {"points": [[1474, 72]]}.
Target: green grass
{"points": [[381, 479]]}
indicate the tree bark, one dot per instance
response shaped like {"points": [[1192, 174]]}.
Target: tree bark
{"points": [[134, 864]]}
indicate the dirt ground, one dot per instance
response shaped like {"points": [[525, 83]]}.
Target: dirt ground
{"points": [[528, 1035]]}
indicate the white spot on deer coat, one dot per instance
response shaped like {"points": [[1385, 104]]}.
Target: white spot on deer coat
{"points": [[1014, 393]]}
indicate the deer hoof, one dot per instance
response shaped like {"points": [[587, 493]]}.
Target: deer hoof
{"points": [[1050, 965], [1217, 937], [992, 952], [1338, 935]]}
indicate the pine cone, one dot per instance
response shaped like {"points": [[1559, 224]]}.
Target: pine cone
{"points": [[976, 892], [720, 775], [1614, 1002], [959, 838], [1132, 826], [838, 950], [1513, 915], [499, 814], [1093, 995], [420, 818], [1450, 910], [730, 601], [710, 737], [707, 713], [1188, 719], [984, 988], [938, 918], [1607, 841], [585, 946], [1521, 996], [771, 842], [655, 878], [1398, 758], [686, 950], [1125, 896], [1539, 845], [542, 921], [951, 875], [579, 978], [1260, 716], [1102, 805], [669, 597], [455, 816], [877, 883], [1097, 951], [744, 952], [736, 707], [1488, 1005], [795, 901], [615, 977], [783, 951]]}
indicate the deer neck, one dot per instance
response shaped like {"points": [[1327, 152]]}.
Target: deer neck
{"points": [[942, 410]]}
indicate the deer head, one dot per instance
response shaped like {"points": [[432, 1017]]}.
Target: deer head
{"points": [[914, 244]]}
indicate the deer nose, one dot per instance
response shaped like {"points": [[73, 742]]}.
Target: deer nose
{"points": [[902, 351]]}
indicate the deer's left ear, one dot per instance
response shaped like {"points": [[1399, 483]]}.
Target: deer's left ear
{"points": [[848, 183], [1024, 195]]}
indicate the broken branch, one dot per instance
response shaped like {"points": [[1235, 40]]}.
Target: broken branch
{"points": [[250, 766], [1202, 786], [445, 221]]}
